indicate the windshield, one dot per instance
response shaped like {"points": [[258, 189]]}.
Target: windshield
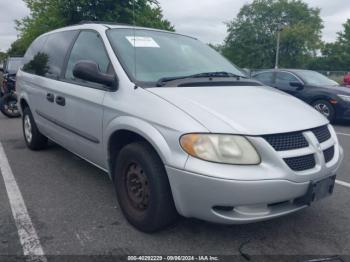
{"points": [[161, 55], [317, 79], [13, 65]]}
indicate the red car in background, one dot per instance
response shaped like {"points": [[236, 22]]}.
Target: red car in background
{"points": [[347, 79]]}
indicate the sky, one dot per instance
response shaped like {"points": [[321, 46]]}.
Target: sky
{"points": [[204, 19]]}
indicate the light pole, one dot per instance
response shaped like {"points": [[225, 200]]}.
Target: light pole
{"points": [[279, 30]]}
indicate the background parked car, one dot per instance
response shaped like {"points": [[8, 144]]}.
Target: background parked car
{"points": [[324, 94], [8, 98], [347, 79]]}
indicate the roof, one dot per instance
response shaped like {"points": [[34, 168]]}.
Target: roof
{"points": [[99, 25]]}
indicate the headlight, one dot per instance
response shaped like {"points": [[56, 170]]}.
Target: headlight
{"points": [[344, 98], [227, 149]]}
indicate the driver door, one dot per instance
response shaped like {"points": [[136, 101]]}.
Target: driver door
{"points": [[283, 82]]}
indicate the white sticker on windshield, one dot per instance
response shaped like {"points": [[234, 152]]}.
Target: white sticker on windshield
{"points": [[141, 41]]}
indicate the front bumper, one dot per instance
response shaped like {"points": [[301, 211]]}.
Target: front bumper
{"points": [[209, 198], [233, 194]]}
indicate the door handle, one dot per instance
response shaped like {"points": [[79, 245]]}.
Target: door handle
{"points": [[60, 100], [50, 97]]}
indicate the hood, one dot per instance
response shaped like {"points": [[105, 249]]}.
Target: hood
{"points": [[248, 110]]}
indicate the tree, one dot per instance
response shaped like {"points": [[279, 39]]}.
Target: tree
{"points": [[335, 56], [251, 40], [2, 56], [47, 15], [18, 48]]}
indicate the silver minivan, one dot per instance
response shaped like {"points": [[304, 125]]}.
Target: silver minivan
{"points": [[178, 128]]}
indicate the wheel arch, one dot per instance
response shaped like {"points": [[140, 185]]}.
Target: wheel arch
{"points": [[23, 102], [125, 130]]}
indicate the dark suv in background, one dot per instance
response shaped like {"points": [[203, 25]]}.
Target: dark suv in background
{"points": [[324, 94], [8, 98]]}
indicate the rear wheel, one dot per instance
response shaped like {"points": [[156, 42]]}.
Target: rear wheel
{"points": [[34, 139], [325, 108], [8, 106], [143, 189]]}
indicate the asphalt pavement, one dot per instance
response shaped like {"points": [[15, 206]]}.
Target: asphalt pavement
{"points": [[73, 208]]}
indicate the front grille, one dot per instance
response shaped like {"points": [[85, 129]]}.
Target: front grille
{"points": [[301, 163], [287, 141], [322, 133], [328, 154]]}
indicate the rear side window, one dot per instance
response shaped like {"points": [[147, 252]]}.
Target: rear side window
{"points": [[55, 49], [47, 54], [88, 46], [30, 64]]}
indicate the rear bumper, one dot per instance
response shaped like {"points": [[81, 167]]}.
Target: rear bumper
{"points": [[208, 198]]}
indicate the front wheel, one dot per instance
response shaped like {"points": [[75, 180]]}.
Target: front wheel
{"points": [[32, 136], [8, 106], [325, 108], [143, 189]]}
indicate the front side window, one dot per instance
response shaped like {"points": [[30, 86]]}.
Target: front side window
{"points": [[285, 78], [266, 78], [162, 54], [88, 46]]}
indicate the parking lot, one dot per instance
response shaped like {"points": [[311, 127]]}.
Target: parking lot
{"points": [[73, 208]]}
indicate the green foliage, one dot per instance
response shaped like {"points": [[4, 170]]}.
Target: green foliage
{"points": [[335, 56], [18, 48], [251, 40], [2, 56], [47, 15]]}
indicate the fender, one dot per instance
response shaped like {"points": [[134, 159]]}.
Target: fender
{"points": [[142, 128]]}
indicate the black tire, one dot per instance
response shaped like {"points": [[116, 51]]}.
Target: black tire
{"points": [[325, 108], [154, 209], [8, 106], [38, 141]]}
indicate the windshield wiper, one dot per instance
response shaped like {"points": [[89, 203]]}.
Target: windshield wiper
{"points": [[163, 80]]}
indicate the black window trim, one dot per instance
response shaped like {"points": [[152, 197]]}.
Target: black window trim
{"points": [[64, 69]]}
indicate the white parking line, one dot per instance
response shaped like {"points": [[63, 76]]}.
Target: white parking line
{"points": [[342, 183], [343, 134], [27, 234]]}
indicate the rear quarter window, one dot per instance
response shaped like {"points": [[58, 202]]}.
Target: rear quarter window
{"points": [[33, 50], [46, 57]]}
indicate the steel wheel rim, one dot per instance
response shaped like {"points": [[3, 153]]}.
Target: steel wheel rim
{"points": [[28, 129], [137, 187], [323, 109]]}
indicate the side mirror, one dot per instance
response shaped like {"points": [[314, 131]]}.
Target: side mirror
{"points": [[89, 71], [297, 84]]}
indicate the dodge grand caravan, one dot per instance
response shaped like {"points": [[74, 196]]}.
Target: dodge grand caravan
{"points": [[178, 128]]}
